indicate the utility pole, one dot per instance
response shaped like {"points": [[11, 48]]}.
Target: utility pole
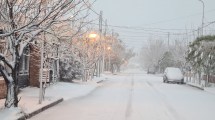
{"points": [[41, 73], [168, 40], [99, 66], [203, 16], [105, 45], [112, 41], [106, 27]]}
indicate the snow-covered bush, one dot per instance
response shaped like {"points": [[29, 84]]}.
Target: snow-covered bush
{"points": [[70, 70]]}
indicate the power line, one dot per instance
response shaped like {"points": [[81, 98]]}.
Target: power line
{"points": [[164, 31], [155, 30], [178, 18], [90, 7], [196, 30]]}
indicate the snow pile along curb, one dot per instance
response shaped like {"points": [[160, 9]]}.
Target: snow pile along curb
{"points": [[195, 85], [201, 87], [26, 116]]}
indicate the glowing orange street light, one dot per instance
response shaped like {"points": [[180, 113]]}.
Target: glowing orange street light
{"points": [[92, 35], [108, 48]]}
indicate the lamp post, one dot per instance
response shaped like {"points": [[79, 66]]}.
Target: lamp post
{"points": [[109, 48], [94, 36], [89, 37], [203, 16], [41, 73]]}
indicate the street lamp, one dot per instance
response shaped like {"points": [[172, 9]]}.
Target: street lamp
{"points": [[203, 15], [93, 35], [109, 48]]}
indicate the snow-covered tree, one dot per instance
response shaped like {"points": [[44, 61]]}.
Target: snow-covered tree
{"points": [[152, 53], [157, 55], [91, 54], [178, 51], [166, 61], [119, 54], [201, 55], [23, 22]]}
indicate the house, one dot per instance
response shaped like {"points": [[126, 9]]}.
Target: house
{"points": [[31, 64], [23, 71], [3, 88], [29, 71]]}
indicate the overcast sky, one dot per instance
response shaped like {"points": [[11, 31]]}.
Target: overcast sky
{"points": [[165, 15]]}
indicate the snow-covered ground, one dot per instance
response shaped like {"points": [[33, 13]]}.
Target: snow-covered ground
{"points": [[134, 95], [30, 97]]}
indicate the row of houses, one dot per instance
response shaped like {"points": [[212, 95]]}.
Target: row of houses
{"points": [[29, 72]]}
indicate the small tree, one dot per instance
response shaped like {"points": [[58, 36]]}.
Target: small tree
{"points": [[167, 60], [151, 54]]}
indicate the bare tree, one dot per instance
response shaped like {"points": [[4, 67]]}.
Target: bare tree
{"points": [[152, 53], [23, 22]]}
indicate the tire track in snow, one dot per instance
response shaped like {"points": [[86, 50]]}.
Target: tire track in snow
{"points": [[130, 99], [170, 110]]}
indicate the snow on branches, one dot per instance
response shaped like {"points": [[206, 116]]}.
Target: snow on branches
{"points": [[23, 22], [201, 54]]}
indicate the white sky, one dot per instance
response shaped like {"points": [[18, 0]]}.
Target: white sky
{"points": [[165, 14]]}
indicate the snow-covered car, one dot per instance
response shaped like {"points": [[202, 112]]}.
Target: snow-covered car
{"points": [[172, 74]]}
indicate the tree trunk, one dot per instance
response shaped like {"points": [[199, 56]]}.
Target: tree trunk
{"points": [[11, 98], [118, 68], [207, 80], [199, 77], [11, 81]]}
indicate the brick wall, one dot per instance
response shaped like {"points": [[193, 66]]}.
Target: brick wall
{"points": [[3, 88], [34, 66]]}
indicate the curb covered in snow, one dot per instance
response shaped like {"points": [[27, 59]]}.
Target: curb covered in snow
{"points": [[195, 86], [40, 109], [100, 81]]}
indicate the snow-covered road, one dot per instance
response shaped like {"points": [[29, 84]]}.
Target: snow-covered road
{"points": [[136, 96]]}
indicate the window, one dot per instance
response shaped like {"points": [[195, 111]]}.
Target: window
{"points": [[1, 32], [24, 63], [0, 74], [2, 45]]}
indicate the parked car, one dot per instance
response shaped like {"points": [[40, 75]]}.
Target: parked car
{"points": [[151, 70], [172, 74]]}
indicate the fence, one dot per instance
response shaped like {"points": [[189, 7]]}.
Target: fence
{"points": [[211, 78]]}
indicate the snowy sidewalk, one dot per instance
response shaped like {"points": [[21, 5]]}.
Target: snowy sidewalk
{"points": [[28, 105], [210, 90], [207, 89]]}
